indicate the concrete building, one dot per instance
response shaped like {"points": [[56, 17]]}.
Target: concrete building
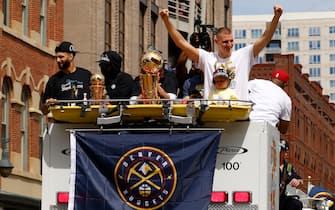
{"points": [[29, 31], [310, 36], [311, 131], [131, 27]]}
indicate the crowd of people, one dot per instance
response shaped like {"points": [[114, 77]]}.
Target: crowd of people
{"points": [[215, 75], [218, 75], [222, 74]]}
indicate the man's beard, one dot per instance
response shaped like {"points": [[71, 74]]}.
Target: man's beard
{"points": [[63, 66]]}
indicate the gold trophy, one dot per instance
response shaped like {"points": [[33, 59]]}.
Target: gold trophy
{"points": [[97, 88], [151, 64]]}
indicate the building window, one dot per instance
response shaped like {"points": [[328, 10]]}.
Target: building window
{"points": [[314, 45], [332, 29], [141, 29], [293, 46], [314, 59], [239, 45], [331, 83], [314, 72], [256, 33], [332, 57], [296, 59], [121, 27], [5, 104], [260, 59], [277, 34], [43, 24], [240, 34], [153, 30], [25, 14], [108, 25], [332, 70], [5, 11], [274, 45], [24, 128], [332, 96], [226, 11], [332, 43], [314, 31], [293, 32]]}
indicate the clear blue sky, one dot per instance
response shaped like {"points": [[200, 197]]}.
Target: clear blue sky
{"points": [[252, 7]]}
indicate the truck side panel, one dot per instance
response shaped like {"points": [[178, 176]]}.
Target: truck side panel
{"points": [[248, 160]]}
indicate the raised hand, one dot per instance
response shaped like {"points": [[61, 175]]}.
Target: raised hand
{"points": [[278, 10]]}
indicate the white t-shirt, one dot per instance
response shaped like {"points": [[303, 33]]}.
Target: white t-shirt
{"points": [[271, 102], [242, 59]]}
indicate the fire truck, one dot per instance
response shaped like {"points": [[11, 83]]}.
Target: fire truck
{"points": [[247, 160]]}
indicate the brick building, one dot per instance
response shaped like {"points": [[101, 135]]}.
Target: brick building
{"points": [[311, 132], [29, 32], [130, 27]]}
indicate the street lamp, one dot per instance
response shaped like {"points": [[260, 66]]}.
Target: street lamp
{"points": [[5, 164]]}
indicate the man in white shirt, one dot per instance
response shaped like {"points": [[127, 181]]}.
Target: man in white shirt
{"points": [[271, 102], [242, 59]]}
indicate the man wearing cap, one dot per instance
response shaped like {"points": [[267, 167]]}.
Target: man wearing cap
{"points": [[118, 84], [70, 82], [271, 102]]}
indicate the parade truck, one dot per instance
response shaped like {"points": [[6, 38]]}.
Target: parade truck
{"points": [[142, 141]]}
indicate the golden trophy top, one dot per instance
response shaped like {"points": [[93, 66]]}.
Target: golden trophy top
{"points": [[97, 79], [151, 62]]}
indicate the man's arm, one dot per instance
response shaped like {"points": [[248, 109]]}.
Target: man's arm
{"points": [[45, 106], [283, 126], [191, 52], [269, 31]]}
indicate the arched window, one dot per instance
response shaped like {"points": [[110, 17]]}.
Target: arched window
{"points": [[5, 105], [25, 127]]}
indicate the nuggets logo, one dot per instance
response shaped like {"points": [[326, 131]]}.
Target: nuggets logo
{"points": [[145, 178]]}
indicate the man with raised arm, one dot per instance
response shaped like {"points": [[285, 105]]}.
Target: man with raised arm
{"points": [[242, 59]]}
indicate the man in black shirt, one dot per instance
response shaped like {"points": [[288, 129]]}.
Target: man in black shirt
{"points": [[118, 84], [288, 176], [70, 82]]}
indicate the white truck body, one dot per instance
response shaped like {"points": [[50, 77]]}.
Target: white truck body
{"points": [[247, 160]]}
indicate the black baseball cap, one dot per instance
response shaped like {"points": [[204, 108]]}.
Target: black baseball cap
{"points": [[112, 58], [66, 47]]}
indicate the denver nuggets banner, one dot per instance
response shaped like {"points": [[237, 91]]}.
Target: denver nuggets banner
{"points": [[142, 171]]}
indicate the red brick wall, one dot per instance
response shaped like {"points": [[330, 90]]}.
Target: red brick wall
{"points": [[25, 54]]}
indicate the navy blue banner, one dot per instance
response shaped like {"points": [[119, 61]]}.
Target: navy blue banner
{"points": [[142, 171]]}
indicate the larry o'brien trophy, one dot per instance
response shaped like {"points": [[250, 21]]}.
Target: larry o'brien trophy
{"points": [[151, 64], [97, 88]]}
